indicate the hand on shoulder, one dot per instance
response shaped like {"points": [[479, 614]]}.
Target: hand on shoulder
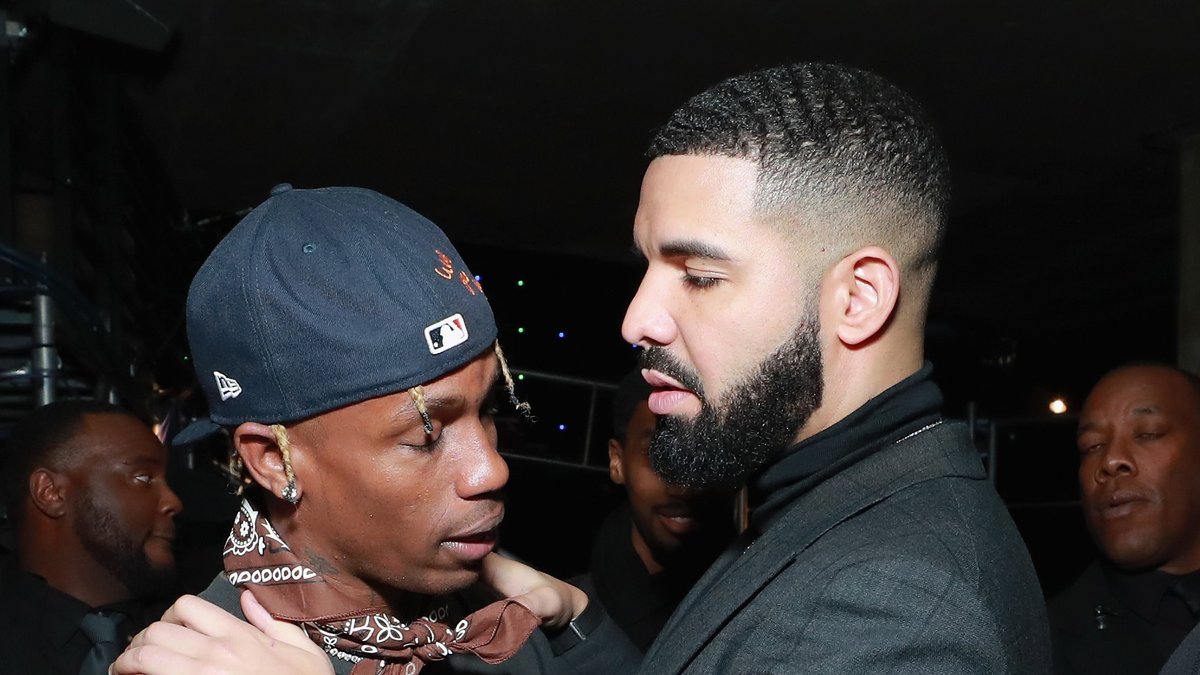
{"points": [[195, 636]]}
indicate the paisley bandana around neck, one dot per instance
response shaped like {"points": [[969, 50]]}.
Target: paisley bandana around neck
{"points": [[256, 557]]}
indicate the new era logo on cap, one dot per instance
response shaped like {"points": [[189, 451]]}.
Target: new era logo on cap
{"points": [[447, 333], [227, 386]]}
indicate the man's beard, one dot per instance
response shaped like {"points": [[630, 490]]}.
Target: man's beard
{"points": [[120, 553], [761, 414]]}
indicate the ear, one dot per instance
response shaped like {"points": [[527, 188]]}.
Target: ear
{"points": [[616, 468], [867, 290], [259, 450], [47, 491]]}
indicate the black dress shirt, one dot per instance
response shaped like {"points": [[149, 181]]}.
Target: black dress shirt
{"points": [[1109, 621], [640, 602], [41, 625]]}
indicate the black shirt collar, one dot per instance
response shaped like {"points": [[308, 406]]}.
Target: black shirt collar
{"points": [[904, 408], [1144, 592]]}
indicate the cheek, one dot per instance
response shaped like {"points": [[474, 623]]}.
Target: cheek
{"points": [[132, 507], [645, 487]]}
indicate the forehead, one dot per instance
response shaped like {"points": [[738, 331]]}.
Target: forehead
{"points": [[695, 197], [466, 386], [472, 381], [1142, 391], [118, 438]]}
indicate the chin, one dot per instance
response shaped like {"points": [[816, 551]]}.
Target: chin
{"points": [[1132, 558], [442, 582]]}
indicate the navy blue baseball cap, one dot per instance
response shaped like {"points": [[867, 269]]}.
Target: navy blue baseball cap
{"points": [[322, 298]]}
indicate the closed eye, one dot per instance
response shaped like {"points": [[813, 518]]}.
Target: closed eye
{"points": [[431, 443], [697, 281]]}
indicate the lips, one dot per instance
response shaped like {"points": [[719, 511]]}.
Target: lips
{"points": [[669, 396], [1121, 503], [660, 381], [475, 542], [677, 519]]}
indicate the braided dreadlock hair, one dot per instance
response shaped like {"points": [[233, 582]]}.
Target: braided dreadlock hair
{"points": [[236, 468]]}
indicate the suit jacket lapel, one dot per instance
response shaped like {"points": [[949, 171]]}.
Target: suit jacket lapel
{"points": [[740, 573]]}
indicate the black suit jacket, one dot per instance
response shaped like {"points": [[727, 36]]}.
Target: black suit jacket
{"points": [[906, 562], [1097, 631]]}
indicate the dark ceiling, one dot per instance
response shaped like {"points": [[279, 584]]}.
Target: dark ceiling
{"points": [[521, 125]]}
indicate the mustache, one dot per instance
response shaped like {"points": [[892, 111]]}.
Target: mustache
{"points": [[658, 358]]}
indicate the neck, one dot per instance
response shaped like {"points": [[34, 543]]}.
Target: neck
{"points": [[68, 567], [336, 570], [859, 377]]}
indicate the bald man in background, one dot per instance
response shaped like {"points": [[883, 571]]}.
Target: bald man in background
{"points": [[1139, 482]]}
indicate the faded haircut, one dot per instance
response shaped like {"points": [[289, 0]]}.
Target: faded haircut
{"points": [[843, 156], [45, 438]]}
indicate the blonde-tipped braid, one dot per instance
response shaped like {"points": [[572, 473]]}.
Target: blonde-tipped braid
{"points": [[285, 449], [418, 396], [235, 468], [510, 386], [290, 493]]}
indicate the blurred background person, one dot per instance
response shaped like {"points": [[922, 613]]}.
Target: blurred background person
{"points": [[652, 548], [1139, 480], [93, 517]]}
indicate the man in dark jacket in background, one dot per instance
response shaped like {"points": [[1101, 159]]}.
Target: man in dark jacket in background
{"points": [[1139, 480], [652, 548], [85, 484]]}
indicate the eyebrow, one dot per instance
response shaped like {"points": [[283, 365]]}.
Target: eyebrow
{"points": [[1141, 411], [692, 248], [144, 460]]}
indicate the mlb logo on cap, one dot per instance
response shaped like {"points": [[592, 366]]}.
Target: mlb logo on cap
{"points": [[447, 333], [322, 298]]}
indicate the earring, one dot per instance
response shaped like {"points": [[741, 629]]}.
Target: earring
{"points": [[289, 493]]}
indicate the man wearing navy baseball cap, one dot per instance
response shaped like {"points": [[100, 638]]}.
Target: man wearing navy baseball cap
{"points": [[352, 357]]}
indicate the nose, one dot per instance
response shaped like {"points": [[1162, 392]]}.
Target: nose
{"points": [[647, 321], [1116, 461], [169, 503], [484, 472]]}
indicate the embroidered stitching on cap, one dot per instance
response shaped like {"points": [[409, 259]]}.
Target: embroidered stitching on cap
{"points": [[227, 386], [447, 333], [446, 271]]}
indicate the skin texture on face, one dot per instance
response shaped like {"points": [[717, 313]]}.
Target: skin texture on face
{"points": [[386, 510], [721, 290], [666, 517], [1139, 470], [727, 319], [122, 509]]}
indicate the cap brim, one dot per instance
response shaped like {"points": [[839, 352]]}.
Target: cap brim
{"points": [[195, 432]]}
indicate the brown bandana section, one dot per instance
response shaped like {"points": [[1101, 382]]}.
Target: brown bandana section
{"points": [[375, 641]]}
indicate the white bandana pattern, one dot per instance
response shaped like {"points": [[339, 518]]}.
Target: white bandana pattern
{"points": [[245, 537]]}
